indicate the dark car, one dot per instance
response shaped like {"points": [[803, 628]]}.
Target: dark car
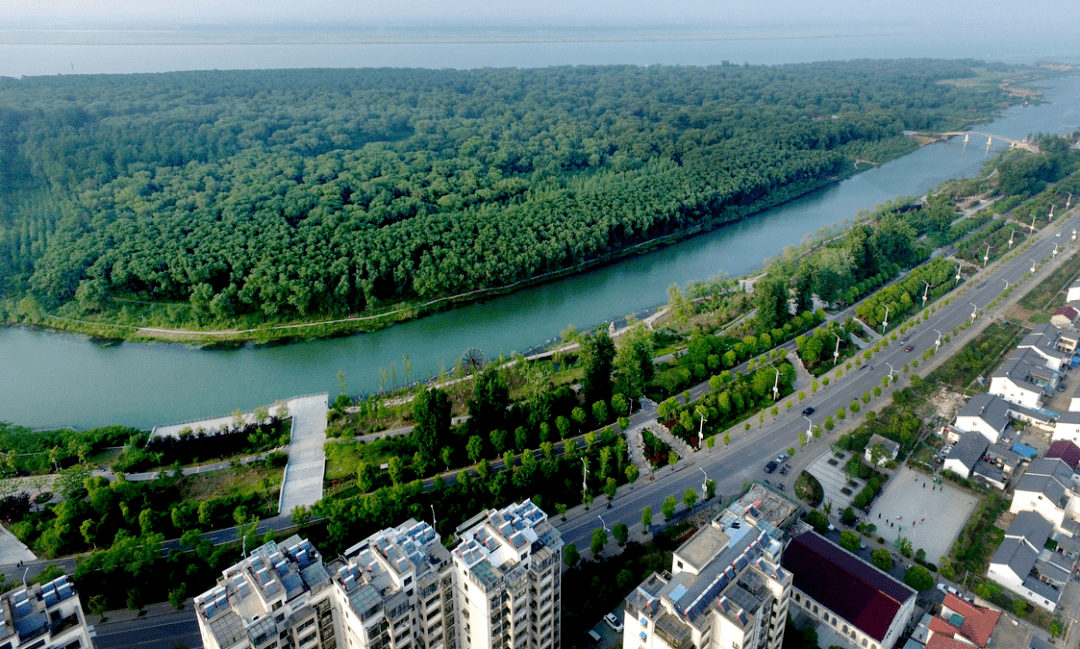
{"points": [[807, 412], [908, 348], [770, 467]]}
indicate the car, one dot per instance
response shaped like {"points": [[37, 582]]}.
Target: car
{"points": [[770, 467], [909, 348], [614, 622], [780, 459], [1061, 387], [595, 637], [807, 412]]}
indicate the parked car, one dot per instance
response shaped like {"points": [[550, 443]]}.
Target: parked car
{"points": [[807, 411], [771, 466], [781, 458], [614, 622]]}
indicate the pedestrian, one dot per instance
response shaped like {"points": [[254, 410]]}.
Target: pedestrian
{"points": [[879, 516], [924, 485], [923, 520]]}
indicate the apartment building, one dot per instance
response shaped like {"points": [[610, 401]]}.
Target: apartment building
{"points": [[726, 588], [48, 616], [508, 586], [399, 588]]}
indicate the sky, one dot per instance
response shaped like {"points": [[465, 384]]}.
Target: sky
{"points": [[966, 14]]}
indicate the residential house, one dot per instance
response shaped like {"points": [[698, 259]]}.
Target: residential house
{"points": [[1073, 294], [1024, 565], [1064, 317], [1066, 451], [986, 414], [966, 454], [888, 449], [1046, 488], [1045, 340], [847, 594], [1024, 378]]}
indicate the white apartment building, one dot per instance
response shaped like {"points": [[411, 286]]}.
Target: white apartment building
{"points": [[508, 580], [725, 590], [46, 616]]}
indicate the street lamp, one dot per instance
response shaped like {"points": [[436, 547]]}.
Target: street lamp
{"points": [[704, 484], [891, 370], [701, 428], [926, 293], [776, 385], [433, 517], [1033, 266], [809, 427], [1051, 212], [1054, 253], [602, 523], [1032, 226], [1011, 233], [835, 354], [937, 343], [885, 322], [584, 474], [958, 266], [986, 257], [1006, 283], [975, 311]]}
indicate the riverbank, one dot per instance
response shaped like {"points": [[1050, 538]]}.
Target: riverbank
{"points": [[105, 332]]}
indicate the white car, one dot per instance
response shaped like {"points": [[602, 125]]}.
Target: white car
{"points": [[614, 622], [780, 459]]}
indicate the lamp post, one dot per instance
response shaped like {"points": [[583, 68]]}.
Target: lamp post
{"points": [[1033, 266], [1032, 226], [835, 354], [776, 385], [926, 293], [704, 485], [1054, 253], [958, 266], [584, 474], [809, 427], [974, 312], [433, 517], [602, 523], [891, 371], [986, 257], [937, 343], [1011, 233], [885, 322], [701, 429]]}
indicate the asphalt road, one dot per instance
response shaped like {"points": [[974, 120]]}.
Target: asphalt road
{"points": [[746, 456], [163, 631]]}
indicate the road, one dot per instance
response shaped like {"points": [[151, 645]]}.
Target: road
{"points": [[164, 629], [743, 460]]}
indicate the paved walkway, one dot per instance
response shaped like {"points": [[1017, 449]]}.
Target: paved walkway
{"points": [[636, 446], [677, 444], [12, 550], [833, 479], [303, 483]]}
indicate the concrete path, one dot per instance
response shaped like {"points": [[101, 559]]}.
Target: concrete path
{"points": [[833, 479], [12, 550], [677, 444], [303, 483]]}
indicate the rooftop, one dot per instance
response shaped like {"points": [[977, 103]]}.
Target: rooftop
{"points": [[496, 542], [25, 611], [969, 449], [977, 622], [990, 408], [849, 586], [1065, 451]]}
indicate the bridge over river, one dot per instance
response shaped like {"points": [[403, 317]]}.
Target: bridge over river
{"points": [[990, 137]]}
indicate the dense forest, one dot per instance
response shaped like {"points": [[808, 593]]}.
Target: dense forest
{"points": [[289, 194]]}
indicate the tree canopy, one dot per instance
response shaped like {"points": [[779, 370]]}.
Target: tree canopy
{"points": [[284, 194]]}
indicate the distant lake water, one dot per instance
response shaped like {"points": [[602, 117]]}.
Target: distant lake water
{"points": [[42, 52]]}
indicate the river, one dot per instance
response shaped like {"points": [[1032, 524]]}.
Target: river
{"points": [[53, 379]]}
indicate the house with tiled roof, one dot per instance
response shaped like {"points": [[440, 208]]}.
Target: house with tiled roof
{"points": [[1066, 451], [966, 454], [1064, 317], [1046, 488], [1024, 378], [976, 623], [1024, 565], [1067, 426], [847, 594], [889, 449], [1045, 340], [986, 414]]}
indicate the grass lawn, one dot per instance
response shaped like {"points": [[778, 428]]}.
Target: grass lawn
{"points": [[237, 480]]}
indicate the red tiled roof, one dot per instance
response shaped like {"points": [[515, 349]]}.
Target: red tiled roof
{"points": [[978, 623], [1065, 450], [945, 642], [1067, 311], [847, 585], [940, 625]]}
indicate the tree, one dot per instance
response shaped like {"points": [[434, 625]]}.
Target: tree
{"points": [[621, 532], [848, 516], [474, 448], [597, 357], [850, 541], [489, 401], [610, 488], [883, 559], [396, 469], [646, 518], [710, 442], [447, 456], [669, 507], [690, 498], [904, 545], [431, 412], [771, 295], [570, 555], [365, 476], [918, 577], [599, 540]]}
